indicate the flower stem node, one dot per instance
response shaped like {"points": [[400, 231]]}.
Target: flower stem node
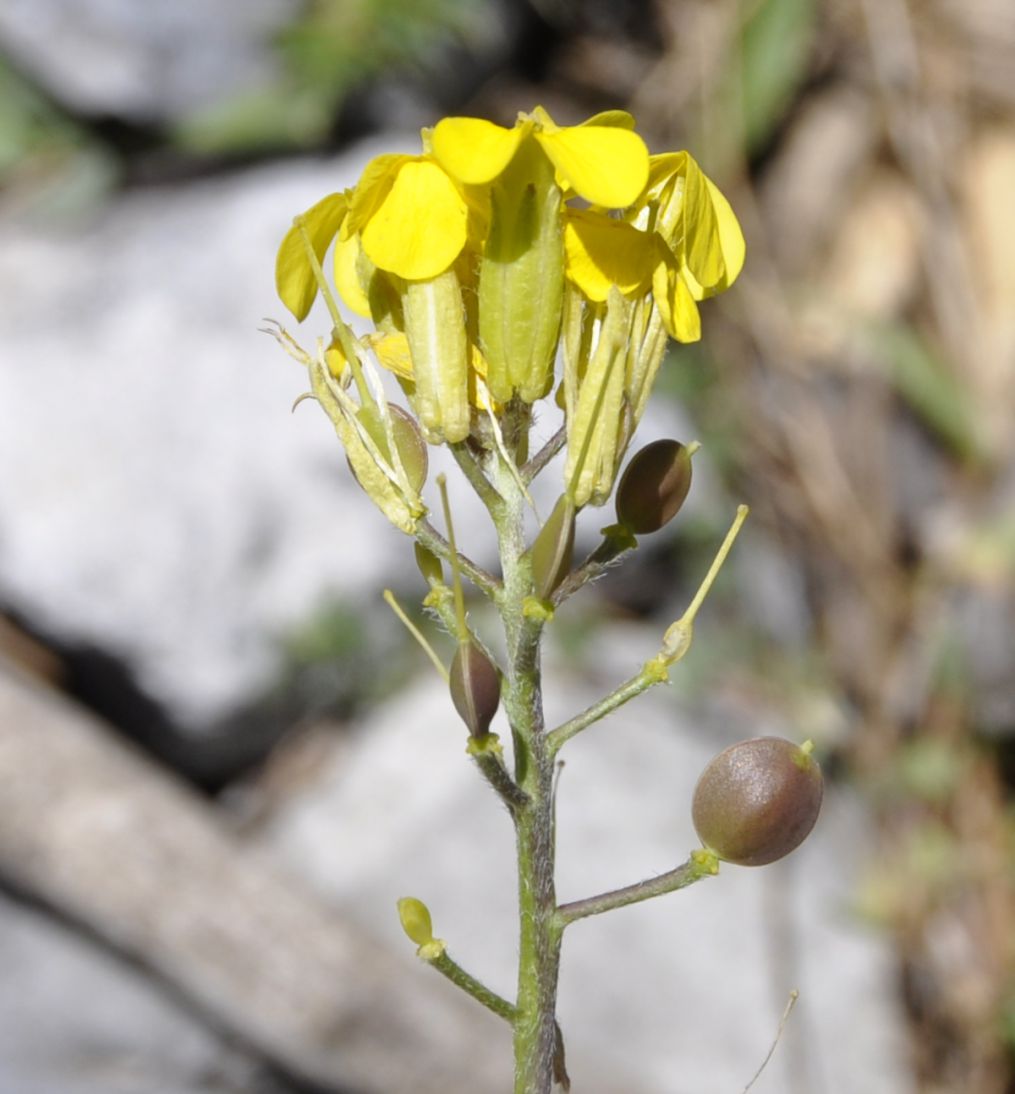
{"points": [[537, 609], [706, 862], [617, 538], [487, 745]]}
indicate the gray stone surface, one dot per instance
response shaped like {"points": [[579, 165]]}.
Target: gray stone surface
{"points": [[680, 995], [156, 496], [75, 1020], [144, 61]]}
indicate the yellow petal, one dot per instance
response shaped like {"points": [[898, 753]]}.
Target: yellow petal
{"points": [[731, 241], [697, 222], [347, 252], [702, 251], [618, 119], [373, 186], [294, 276], [603, 164], [676, 305], [473, 150], [601, 252], [419, 227], [392, 351]]}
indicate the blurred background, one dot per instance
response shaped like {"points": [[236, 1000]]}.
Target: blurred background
{"points": [[220, 757]]}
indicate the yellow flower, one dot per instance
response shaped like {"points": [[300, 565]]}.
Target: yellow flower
{"points": [[602, 160], [294, 275], [411, 218], [688, 211]]}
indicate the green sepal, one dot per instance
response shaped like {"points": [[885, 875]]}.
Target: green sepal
{"points": [[521, 278], [435, 329]]}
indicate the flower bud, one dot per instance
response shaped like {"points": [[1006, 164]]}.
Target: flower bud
{"points": [[521, 277], [415, 919], [553, 549], [435, 329], [758, 800], [475, 687], [654, 486]]}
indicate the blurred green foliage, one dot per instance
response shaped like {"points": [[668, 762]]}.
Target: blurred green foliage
{"points": [[332, 48], [43, 153], [924, 381], [773, 44]]}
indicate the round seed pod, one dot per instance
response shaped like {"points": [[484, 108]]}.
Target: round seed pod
{"points": [[654, 486], [758, 800], [475, 688], [412, 450]]}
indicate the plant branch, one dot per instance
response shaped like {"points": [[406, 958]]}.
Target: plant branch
{"points": [[650, 674], [471, 469], [433, 541], [468, 983], [616, 543], [531, 469], [491, 766], [701, 864]]}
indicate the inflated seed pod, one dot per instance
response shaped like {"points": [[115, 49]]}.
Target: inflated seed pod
{"points": [[412, 450], [475, 687], [758, 800], [553, 548], [654, 486], [429, 565]]}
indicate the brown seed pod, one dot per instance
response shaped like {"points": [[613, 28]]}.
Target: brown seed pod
{"points": [[757, 801], [654, 486], [553, 548], [475, 688]]}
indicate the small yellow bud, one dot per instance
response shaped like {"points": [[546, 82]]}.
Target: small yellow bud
{"points": [[415, 919]]}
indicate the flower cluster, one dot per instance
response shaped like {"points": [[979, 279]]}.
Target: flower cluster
{"points": [[480, 258]]}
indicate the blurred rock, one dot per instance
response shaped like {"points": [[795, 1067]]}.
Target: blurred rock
{"points": [[158, 501], [146, 63], [690, 985], [74, 1019]]}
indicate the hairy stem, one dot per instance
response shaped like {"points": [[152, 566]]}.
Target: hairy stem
{"points": [[700, 864], [536, 1037]]}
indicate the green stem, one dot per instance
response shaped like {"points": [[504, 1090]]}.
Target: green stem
{"points": [[650, 674], [497, 775], [537, 1044], [701, 864], [544, 455], [480, 992], [433, 541]]}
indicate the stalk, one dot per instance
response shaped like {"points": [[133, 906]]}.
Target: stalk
{"points": [[535, 1033]]}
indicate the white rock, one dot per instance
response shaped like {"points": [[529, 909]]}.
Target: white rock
{"points": [[683, 993], [158, 498], [76, 1020], [142, 61]]}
